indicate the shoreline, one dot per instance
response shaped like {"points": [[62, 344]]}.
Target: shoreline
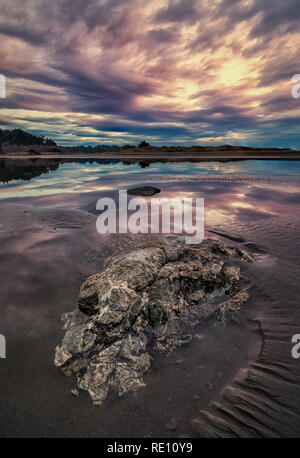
{"points": [[177, 156]]}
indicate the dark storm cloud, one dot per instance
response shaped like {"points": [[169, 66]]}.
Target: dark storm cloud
{"points": [[168, 70], [179, 11], [269, 15]]}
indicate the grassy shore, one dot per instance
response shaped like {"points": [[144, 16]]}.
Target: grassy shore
{"points": [[224, 152]]}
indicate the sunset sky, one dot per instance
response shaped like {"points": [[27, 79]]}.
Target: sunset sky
{"points": [[169, 72]]}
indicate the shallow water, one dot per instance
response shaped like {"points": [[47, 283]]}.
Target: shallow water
{"points": [[53, 177], [237, 380]]}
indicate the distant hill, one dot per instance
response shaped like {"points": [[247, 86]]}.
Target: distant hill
{"points": [[20, 141], [17, 142], [20, 137], [146, 148]]}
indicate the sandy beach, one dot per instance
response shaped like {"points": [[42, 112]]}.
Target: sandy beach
{"points": [[216, 385]]}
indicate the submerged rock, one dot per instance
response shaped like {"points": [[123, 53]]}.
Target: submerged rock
{"points": [[146, 191], [148, 299]]}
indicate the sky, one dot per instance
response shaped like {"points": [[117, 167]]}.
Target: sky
{"points": [[180, 72]]}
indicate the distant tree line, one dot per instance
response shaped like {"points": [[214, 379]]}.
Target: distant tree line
{"points": [[95, 149], [143, 144], [20, 137]]}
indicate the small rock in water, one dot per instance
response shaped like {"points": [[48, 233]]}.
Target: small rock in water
{"points": [[145, 191], [75, 392], [172, 425]]}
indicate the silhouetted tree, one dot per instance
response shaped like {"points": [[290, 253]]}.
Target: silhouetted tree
{"points": [[20, 137], [144, 144]]}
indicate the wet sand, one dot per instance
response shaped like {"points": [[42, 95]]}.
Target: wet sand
{"points": [[237, 380]]}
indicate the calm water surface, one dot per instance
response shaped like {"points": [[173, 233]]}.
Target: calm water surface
{"points": [[82, 176]]}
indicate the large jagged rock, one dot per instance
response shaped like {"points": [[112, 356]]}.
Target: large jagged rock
{"points": [[150, 298]]}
